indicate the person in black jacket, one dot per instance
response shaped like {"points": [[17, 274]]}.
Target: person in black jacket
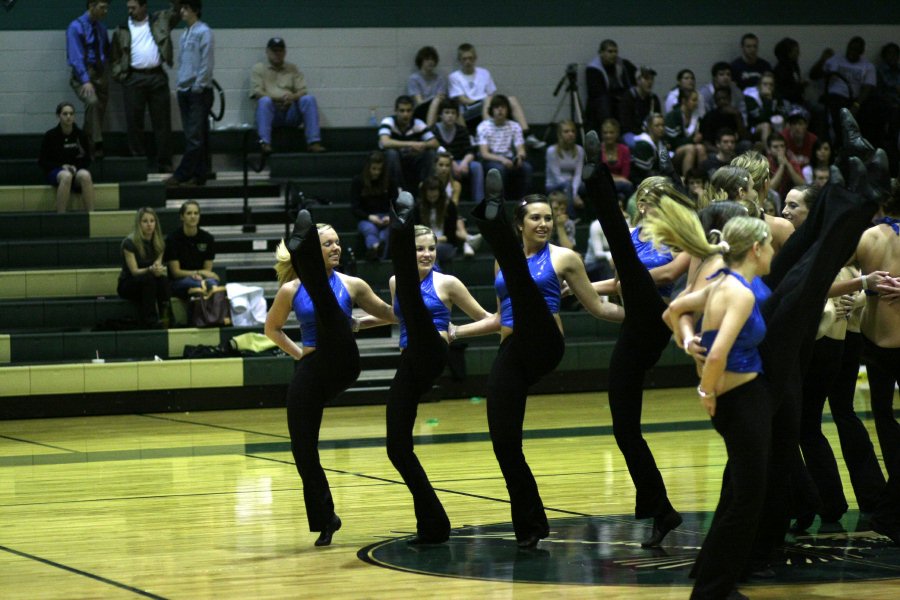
{"points": [[65, 157], [370, 196]]}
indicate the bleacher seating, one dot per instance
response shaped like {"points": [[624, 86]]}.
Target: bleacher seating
{"points": [[58, 275]]}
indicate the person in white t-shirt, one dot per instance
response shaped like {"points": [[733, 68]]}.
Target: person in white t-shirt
{"points": [[502, 147], [139, 51], [473, 88]]}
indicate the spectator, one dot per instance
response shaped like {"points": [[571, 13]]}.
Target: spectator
{"points": [[889, 98], [563, 233], [726, 142], [687, 82], [748, 68], [723, 115], [443, 170], [683, 132], [436, 211], [282, 100], [850, 81], [597, 257], [564, 161], [822, 158], [721, 78], [696, 181], [617, 157], [371, 193], [454, 138], [798, 138], [647, 146], [821, 176], [502, 147], [426, 86], [189, 254], [788, 78], [638, 102], [195, 96], [783, 172], [474, 88], [65, 157], [764, 107], [143, 276], [140, 47], [608, 79], [408, 145], [87, 49]]}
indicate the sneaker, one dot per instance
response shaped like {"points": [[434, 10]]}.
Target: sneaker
{"points": [[265, 147], [534, 143], [474, 241], [468, 250], [316, 147]]}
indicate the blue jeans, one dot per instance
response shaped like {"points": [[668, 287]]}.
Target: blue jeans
{"points": [[374, 235], [304, 111], [181, 286], [516, 182], [476, 176], [194, 107]]}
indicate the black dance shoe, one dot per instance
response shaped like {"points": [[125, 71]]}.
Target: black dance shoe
{"points": [[401, 208], [301, 229], [592, 155], [854, 143], [493, 195], [661, 528], [326, 534], [667, 169]]}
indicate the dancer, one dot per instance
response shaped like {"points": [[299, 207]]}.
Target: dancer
{"points": [[322, 299], [643, 335], [528, 279], [732, 389], [879, 249], [422, 300], [832, 374]]}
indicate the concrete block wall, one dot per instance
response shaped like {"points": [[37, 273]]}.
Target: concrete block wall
{"points": [[354, 69]]}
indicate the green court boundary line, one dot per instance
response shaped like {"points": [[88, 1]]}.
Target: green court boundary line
{"points": [[254, 448]]}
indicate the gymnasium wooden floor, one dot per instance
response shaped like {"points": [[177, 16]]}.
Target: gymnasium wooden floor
{"points": [[209, 505]]}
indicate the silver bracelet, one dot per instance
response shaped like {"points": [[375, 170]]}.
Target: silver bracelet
{"points": [[704, 394]]}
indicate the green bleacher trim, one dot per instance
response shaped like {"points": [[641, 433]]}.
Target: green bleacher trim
{"points": [[86, 378], [42, 198], [5, 356]]}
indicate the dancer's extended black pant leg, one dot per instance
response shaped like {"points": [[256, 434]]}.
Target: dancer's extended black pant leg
{"points": [[421, 363], [534, 349], [318, 378], [642, 338]]}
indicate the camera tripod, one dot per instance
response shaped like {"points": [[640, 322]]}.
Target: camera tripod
{"points": [[576, 110]]}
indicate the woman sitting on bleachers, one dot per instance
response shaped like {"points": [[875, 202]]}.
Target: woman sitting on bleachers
{"points": [[143, 277], [190, 254], [65, 158]]}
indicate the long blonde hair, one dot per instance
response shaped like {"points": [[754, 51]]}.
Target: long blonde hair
{"points": [[677, 226], [652, 188], [159, 243], [284, 270]]}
